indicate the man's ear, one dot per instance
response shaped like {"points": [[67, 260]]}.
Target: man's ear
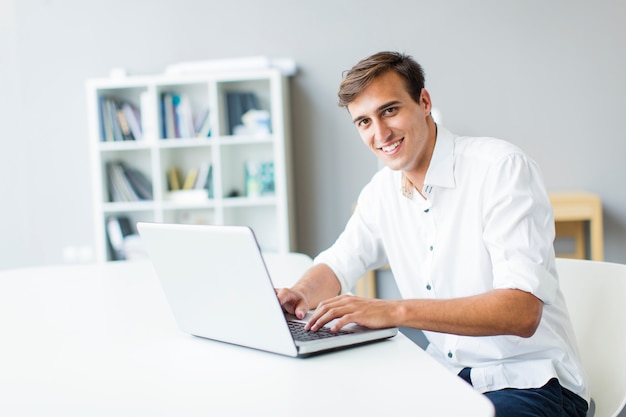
{"points": [[425, 101]]}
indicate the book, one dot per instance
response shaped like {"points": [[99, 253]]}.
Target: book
{"points": [[205, 180], [117, 130], [138, 182], [202, 125], [123, 185], [190, 179], [184, 117], [203, 176], [168, 130], [107, 127], [132, 115], [112, 190], [173, 177], [108, 120], [116, 188], [124, 128]]}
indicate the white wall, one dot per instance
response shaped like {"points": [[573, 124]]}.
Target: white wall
{"points": [[547, 75]]}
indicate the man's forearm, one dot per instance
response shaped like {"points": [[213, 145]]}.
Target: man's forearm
{"points": [[497, 312], [317, 284]]}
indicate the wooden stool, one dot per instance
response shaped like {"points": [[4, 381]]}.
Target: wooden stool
{"points": [[572, 210]]}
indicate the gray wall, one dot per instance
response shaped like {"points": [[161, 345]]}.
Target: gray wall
{"points": [[547, 75]]}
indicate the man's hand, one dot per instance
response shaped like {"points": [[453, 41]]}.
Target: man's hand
{"points": [[372, 313], [293, 302], [318, 283]]}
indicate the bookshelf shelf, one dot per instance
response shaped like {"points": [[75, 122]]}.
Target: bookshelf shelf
{"points": [[154, 135], [123, 146], [120, 207]]}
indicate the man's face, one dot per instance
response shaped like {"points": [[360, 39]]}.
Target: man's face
{"points": [[393, 125]]}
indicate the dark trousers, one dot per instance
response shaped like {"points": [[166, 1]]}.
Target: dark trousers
{"points": [[551, 400]]}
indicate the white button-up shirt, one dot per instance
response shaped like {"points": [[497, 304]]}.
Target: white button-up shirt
{"points": [[484, 222]]}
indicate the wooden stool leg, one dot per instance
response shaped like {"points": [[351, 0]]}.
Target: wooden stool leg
{"points": [[596, 232]]}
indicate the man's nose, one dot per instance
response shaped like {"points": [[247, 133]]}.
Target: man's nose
{"points": [[382, 132]]}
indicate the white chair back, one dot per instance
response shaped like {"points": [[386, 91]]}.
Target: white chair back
{"points": [[595, 293]]}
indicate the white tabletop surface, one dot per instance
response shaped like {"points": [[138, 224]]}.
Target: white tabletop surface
{"points": [[99, 340]]}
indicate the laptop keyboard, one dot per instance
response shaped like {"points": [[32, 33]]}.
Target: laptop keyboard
{"points": [[298, 332]]}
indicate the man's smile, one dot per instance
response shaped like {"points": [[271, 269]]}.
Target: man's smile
{"points": [[391, 147]]}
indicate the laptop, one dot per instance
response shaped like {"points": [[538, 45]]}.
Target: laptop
{"points": [[218, 287]]}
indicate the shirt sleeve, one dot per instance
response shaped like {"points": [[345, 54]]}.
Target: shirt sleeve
{"points": [[519, 227], [358, 248]]}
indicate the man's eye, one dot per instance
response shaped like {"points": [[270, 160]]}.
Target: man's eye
{"points": [[362, 123], [390, 110]]}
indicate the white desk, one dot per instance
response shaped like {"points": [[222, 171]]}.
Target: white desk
{"points": [[99, 340]]}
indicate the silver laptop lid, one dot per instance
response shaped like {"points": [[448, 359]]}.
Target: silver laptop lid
{"points": [[217, 284]]}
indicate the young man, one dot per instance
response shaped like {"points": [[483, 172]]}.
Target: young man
{"points": [[467, 228]]}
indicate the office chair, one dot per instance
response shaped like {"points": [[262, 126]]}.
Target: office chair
{"points": [[595, 293]]}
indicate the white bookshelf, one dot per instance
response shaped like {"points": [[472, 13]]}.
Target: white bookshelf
{"points": [[270, 214]]}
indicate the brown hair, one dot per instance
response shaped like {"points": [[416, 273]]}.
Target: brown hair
{"points": [[365, 71]]}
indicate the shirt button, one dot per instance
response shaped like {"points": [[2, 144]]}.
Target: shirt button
{"points": [[427, 210], [431, 248], [450, 355], [428, 287]]}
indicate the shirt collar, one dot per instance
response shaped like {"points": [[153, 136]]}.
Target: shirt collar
{"points": [[441, 168]]}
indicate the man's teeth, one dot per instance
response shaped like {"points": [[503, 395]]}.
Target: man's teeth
{"points": [[391, 147]]}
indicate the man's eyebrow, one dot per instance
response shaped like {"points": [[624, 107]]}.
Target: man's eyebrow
{"points": [[380, 108]]}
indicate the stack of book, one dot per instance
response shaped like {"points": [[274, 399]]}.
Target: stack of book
{"points": [[178, 119], [126, 183], [197, 178], [121, 120]]}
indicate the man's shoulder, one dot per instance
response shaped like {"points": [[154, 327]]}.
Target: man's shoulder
{"points": [[485, 148]]}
